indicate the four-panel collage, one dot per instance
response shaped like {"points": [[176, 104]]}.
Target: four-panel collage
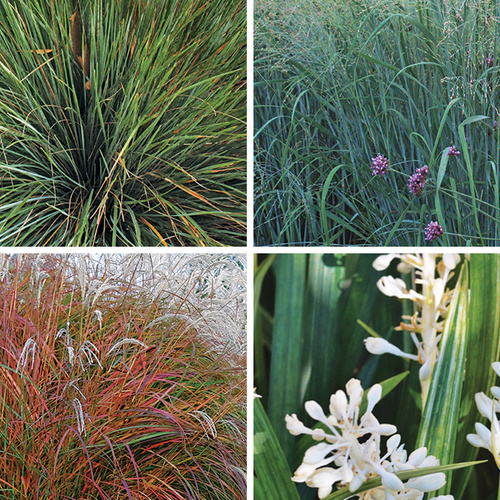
{"points": [[218, 268]]}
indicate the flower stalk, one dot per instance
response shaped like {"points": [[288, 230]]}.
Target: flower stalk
{"points": [[432, 273]]}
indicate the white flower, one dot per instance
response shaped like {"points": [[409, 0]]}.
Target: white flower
{"points": [[432, 273], [348, 451], [382, 262], [396, 287], [377, 345], [431, 482], [488, 438], [323, 479]]}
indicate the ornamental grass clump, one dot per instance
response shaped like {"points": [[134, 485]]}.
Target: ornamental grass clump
{"points": [[109, 389], [122, 123]]}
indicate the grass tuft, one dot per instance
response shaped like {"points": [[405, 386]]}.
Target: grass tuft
{"points": [[122, 123]]}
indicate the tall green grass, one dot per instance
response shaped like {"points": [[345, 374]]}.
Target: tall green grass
{"points": [[122, 123], [337, 83], [112, 386]]}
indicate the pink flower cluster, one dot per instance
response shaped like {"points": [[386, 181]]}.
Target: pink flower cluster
{"points": [[379, 165], [433, 231], [417, 180], [453, 151]]}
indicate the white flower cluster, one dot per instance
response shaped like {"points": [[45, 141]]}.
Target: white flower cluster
{"points": [[488, 438], [349, 453], [432, 301]]}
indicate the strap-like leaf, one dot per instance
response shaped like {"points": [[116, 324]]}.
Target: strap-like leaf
{"points": [[271, 471], [439, 424], [404, 476]]}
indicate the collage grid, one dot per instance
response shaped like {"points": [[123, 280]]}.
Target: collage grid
{"points": [[162, 337]]}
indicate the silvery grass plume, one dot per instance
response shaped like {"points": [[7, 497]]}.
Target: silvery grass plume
{"points": [[488, 438], [80, 419], [29, 348], [68, 343], [349, 452], [89, 350], [189, 284], [207, 291], [123, 342], [206, 422], [432, 273]]}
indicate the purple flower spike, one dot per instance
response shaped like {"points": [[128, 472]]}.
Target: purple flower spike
{"points": [[417, 180], [433, 231], [453, 151], [380, 164], [489, 62]]}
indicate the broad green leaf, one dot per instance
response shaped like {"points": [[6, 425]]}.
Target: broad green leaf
{"points": [[271, 472], [320, 334], [285, 373], [483, 346], [439, 424], [362, 301], [259, 343]]}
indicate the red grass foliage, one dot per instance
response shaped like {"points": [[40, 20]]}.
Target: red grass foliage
{"points": [[164, 419]]}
